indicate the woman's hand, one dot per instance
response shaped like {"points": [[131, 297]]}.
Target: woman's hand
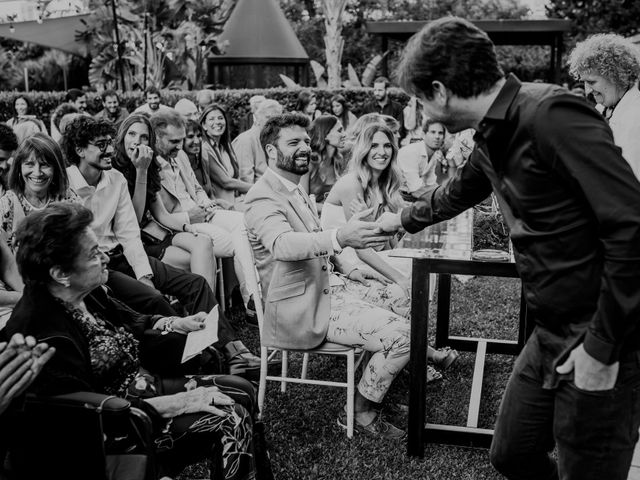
{"points": [[142, 157], [201, 399]]}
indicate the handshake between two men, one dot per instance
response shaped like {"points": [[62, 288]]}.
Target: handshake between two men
{"points": [[360, 232]]}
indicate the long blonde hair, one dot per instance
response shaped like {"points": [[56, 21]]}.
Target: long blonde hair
{"points": [[389, 179]]}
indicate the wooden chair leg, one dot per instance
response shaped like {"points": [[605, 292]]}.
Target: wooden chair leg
{"points": [[305, 365], [285, 369], [350, 392]]}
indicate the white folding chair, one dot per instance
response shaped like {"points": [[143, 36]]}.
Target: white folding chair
{"points": [[353, 355]]}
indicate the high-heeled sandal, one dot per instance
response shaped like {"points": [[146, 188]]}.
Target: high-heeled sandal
{"points": [[448, 359]]}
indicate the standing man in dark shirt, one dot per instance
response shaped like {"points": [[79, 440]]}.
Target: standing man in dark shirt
{"points": [[383, 105], [571, 202]]}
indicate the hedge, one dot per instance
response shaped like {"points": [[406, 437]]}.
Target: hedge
{"points": [[235, 101]]}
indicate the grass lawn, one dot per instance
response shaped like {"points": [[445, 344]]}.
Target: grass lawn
{"points": [[306, 443]]}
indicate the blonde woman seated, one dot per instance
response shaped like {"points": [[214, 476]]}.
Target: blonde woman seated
{"points": [[373, 182]]}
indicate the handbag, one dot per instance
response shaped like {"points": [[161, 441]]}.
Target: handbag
{"points": [[154, 233]]}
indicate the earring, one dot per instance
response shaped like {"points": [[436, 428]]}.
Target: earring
{"points": [[65, 283]]}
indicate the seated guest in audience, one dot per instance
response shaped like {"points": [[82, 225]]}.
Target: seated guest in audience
{"points": [[423, 165], [340, 109], [307, 104], [88, 147], [327, 163], [193, 148], [8, 145], [187, 109], [136, 159], [181, 195], [26, 129], [78, 99], [96, 341], [22, 112], [384, 105], [56, 117], [221, 158], [373, 182], [609, 66], [11, 285], [356, 129], [249, 119], [413, 117], [152, 105], [204, 98], [111, 111], [36, 179], [251, 158], [305, 302]]}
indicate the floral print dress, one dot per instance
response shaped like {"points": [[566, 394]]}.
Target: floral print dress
{"points": [[226, 440]]}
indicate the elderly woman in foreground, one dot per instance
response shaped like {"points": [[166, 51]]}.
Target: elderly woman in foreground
{"points": [[609, 66], [97, 341]]}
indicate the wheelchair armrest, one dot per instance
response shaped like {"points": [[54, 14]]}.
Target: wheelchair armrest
{"points": [[95, 401]]}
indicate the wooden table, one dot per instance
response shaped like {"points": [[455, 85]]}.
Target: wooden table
{"points": [[445, 249]]}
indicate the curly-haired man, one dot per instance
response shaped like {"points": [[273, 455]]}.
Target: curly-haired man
{"points": [[609, 66]]}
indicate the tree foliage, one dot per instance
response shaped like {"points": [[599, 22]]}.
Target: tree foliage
{"points": [[360, 47], [597, 16]]}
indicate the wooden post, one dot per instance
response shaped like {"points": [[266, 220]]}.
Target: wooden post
{"points": [[118, 50], [333, 40], [26, 79]]}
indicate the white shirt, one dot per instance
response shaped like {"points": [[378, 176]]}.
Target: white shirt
{"points": [[625, 125], [114, 219], [418, 171], [144, 108]]}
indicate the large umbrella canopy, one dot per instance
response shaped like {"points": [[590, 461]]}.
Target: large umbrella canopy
{"points": [[58, 33]]}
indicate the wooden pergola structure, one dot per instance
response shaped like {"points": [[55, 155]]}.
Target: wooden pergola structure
{"points": [[502, 32]]}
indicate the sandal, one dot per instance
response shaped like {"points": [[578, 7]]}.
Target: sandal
{"points": [[433, 375], [448, 358]]}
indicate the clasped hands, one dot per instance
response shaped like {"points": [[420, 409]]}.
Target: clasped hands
{"points": [[21, 360], [359, 232], [203, 213]]}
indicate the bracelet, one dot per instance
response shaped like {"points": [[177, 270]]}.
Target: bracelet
{"points": [[184, 227], [168, 325]]}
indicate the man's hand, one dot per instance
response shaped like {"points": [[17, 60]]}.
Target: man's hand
{"points": [[389, 222], [589, 373], [142, 156], [197, 215], [359, 234]]}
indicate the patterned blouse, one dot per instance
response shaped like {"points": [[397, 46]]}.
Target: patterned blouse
{"points": [[113, 351], [14, 207]]}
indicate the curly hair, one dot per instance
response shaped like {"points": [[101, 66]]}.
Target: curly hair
{"points": [[453, 51], [46, 151], [80, 132], [48, 238], [62, 110], [614, 57], [389, 180], [122, 162]]}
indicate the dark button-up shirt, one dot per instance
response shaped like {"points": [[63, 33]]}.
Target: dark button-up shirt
{"points": [[573, 207], [391, 108]]}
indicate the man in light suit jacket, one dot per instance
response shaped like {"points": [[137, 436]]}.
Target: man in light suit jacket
{"points": [[307, 303]]}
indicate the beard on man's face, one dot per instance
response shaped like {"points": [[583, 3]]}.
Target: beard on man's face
{"points": [[297, 163]]}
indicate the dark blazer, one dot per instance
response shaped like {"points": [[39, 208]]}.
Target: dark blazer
{"points": [[38, 314]]}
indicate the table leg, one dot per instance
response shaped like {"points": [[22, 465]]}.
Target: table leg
{"points": [[443, 310], [418, 359]]}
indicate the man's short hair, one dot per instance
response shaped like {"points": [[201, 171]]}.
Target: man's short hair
{"points": [[185, 107], [426, 124], [384, 80], [74, 94], [80, 132], [151, 89], [271, 130], [255, 101], [161, 120], [8, 139], [109, 93], [453, 51]]}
